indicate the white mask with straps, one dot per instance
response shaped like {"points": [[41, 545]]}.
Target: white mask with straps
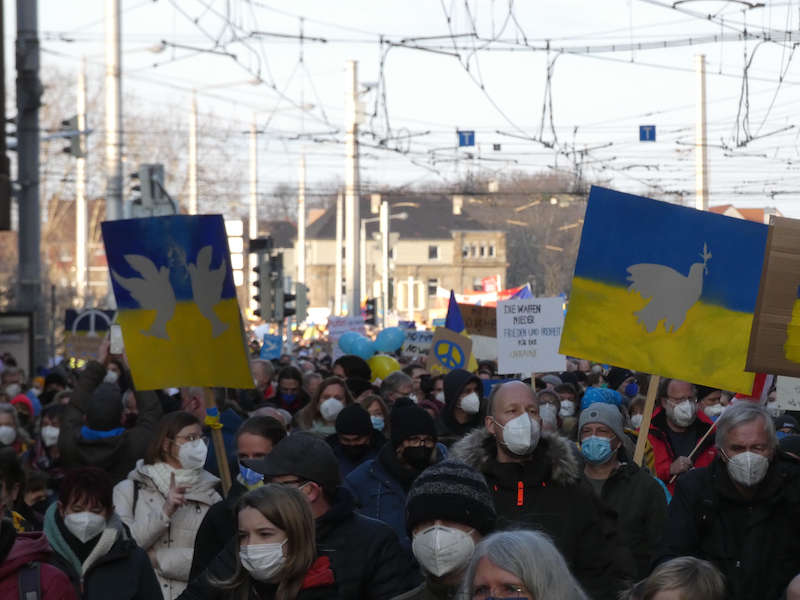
{"points": [[442, 550], [263, 561]]}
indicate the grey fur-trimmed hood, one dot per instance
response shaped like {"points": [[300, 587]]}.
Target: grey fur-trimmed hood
{"points": [[478, 446]]}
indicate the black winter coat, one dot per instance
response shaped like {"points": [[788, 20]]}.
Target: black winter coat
{"points": [[640, 506], [116, 455], [217, 529], [754, 542], [546, 493], [366, 558]]}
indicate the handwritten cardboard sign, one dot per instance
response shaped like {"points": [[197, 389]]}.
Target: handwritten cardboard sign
{"points": [[479, 319], [449, 351]]}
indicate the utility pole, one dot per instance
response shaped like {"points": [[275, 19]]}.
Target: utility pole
{"points": [[337, 288], [352, 208], [193, 156], [700, 147], [253, 218], [5, 167], [301, 223], [81, 185], [384, 225], [29, 91], [362, 262], [113, 85]]}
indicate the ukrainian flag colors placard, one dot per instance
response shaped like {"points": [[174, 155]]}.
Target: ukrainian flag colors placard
{"points": [[665, 289], [176, 301]]}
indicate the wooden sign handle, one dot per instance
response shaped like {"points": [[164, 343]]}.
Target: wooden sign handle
{"points": [[212, 421], [644, 428]]}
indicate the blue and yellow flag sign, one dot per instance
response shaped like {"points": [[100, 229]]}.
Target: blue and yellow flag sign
{"points": [[665, 289], [176, 301]]}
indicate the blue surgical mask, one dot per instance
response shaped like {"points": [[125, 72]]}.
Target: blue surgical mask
{"points": [[781, 434], [596, 449], [287, 398], [250, 477], [632, 389], [377, 422]]}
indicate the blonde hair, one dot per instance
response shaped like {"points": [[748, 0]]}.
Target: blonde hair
{"points": [[287, 509], [691, 577], [306, 416]]}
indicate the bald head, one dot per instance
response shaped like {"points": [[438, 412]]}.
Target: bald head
{"points": [[262, 373], [512, 393]]}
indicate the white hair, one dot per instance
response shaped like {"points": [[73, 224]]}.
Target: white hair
{"points": [[740, 413]]}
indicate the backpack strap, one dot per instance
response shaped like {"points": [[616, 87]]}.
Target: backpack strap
{"points": [[29, 582]]}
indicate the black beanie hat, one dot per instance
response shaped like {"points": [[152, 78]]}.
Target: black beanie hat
{"points": [[353, 420], [104, 411], [452, 491], [616, 375], [407, 421]]}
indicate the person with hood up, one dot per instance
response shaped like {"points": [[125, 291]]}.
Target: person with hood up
{"points": [[462, 406], [92, 545], [92, 432], [356, 440], [165, 498], [24, 557], [380, 485], [535, 480]]}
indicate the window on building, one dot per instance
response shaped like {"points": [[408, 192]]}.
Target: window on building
{"points": [[433, 252], [465, 251], [472, 251], [491, 250], [391, 253], [433, 284], [483, 251]]}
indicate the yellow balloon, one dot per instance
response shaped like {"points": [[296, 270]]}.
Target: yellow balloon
{"points": [[382, 365]]}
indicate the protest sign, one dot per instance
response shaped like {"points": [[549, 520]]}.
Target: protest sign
{"points": [[528, 335], [340, 325], [449, 351], [417, 344], [481, 320], [272, 346], [787, 393], [775, 337], [85, 331], [665, 289], [176, 300]]}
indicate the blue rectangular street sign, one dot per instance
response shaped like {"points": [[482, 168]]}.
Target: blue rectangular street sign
{"points": [[466, 138], [647, 133]]}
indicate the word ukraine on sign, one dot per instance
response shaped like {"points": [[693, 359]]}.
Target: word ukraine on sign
{"points": [[665, 289], [528, 335], [176, 301]]}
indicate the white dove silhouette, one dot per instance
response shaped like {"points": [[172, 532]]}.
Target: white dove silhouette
{"points": [[207, 288], [672, 294], [153, 292]]}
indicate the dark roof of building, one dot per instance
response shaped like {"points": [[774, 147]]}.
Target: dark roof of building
{"points": [[429, 218], [283, 233]]}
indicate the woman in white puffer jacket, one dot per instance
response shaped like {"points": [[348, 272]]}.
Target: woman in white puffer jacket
{"points": [[164, 499]]}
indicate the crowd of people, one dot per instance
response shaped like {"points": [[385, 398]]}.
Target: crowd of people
{"points": [[416, 486]]}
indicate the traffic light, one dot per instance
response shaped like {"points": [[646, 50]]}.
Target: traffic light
{"points": [[288, 303], [263, 283], [300, 302], [70, 130], [151, 182], [370, 311]]}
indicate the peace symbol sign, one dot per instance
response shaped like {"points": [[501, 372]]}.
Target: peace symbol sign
{"points": [[449, 354]]}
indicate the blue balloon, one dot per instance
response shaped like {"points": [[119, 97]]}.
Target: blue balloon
{"points": [[363, 347], [390, 339], [347, 341]]}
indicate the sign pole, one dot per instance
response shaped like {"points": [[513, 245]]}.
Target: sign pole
{"points": [[641, 440], [212, 420]]}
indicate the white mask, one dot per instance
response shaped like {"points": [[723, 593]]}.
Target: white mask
{"points": [[521, 434], [192, 455], [85, 525], [773, 410], [471, 404], [330, 408], [548, 414], [636, 420], [262, 561], [413, 398], [111, 377], [684, 413], [748, 468], [442, 550], [13, 389], [714, 410], [439, 396], [49, 435], [567, 408], [7, 434]]}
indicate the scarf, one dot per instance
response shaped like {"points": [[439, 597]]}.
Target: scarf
{"points": [[403, 474], [58, 542], [160, 474]]}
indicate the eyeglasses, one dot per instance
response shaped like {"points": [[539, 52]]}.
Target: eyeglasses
{"points": [[420, 440], [297, 483], [504, 590], [675, 401]]}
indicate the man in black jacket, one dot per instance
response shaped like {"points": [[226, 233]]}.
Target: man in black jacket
{"points": [[742, 513], [91, 544], [366, 557], [535, 480]]}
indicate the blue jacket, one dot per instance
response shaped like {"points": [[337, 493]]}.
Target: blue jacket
{"points": [[380, 496]]}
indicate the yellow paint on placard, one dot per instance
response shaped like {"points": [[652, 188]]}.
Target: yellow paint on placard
{"points": [[190, 357], [710, 348]]}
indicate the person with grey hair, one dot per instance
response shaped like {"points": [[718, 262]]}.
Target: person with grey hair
{"points": [[521, 565], [535, 479], [740, 513], [623, 486], [396, 385]]}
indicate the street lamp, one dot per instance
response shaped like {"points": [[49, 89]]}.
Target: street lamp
{"points": [[383, 218]]}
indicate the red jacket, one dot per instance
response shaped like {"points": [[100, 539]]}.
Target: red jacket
{"points": [[55, 585], [662, 449]]}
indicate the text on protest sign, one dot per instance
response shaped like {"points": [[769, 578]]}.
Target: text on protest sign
{"points": [[787, 393], [528, 335], [338, 326], [481, 320], [417, 343]]}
